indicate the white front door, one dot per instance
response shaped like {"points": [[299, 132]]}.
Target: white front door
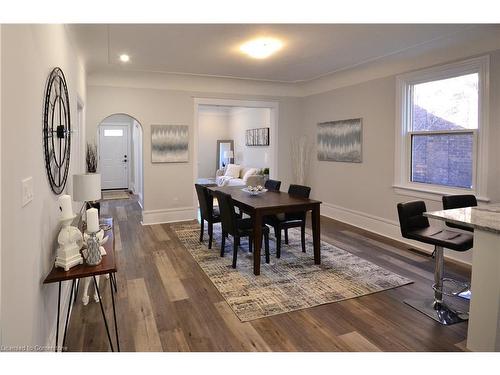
{"points": [[113, 156]]}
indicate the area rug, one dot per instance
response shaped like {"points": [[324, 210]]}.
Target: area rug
{"points": [[290, 283], [115, 194]]}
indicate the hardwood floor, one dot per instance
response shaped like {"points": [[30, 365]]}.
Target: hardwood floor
{"points": [[166, 303]]}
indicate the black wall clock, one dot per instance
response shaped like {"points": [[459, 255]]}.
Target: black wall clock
{"points": [[57, 131]]}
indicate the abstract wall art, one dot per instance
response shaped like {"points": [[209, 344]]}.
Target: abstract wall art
{"points": [[169, 143], [340, 141]]}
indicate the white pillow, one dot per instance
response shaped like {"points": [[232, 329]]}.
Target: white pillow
{"points": [[233, 170], [250, 172]]}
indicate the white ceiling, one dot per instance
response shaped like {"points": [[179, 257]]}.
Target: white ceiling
{"points": [[310, 51]]}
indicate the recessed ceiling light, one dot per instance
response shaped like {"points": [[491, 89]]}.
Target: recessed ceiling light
{"points": [[261, 48], [124, 58]]}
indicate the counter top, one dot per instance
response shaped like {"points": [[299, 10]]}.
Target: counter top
{"points": [[483, 218]]}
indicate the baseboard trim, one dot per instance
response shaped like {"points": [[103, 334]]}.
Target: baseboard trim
{"points": [[379, 226], [168, 215]]}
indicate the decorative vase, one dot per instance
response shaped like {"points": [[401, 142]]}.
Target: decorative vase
{"points": [[94, 256]]}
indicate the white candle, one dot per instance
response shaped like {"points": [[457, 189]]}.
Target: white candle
{"points": [[65, 206], [92, 220]]}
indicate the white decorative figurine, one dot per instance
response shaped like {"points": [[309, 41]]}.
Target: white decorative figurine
{"points": [[70, 238]]}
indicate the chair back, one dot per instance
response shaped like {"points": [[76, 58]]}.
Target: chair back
{"points": [[206, 204], [459, 201], [272, 185], [411, 217], [298, 191], [227, 213]]}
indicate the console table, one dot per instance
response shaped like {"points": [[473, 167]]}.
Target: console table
{"points": [[484, 313], [106, 267]]}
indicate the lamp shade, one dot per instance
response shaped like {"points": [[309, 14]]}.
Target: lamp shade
{"points": [[228, 154], [86, 187]]}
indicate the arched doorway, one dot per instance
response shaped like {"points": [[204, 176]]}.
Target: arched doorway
{"points": [[120, 149]]}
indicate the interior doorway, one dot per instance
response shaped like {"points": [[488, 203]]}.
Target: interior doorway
{"points": [[120, 151], [222, 131]]}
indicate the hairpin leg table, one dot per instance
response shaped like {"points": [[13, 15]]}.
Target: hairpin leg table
{"points": [[106, 267]]}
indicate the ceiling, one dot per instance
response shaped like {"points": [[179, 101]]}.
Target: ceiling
{"points": [[310, 51]]}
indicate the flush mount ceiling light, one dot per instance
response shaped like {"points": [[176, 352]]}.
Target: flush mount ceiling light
{"points": [[261, 48], [124, 58]]}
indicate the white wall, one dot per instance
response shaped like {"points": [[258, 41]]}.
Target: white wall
{"points": [[362, 194], [240, 120], [29, 53], [213, 125], [168, 187]]}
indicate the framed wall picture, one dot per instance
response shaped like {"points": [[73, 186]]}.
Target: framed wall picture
{"points": [[257, 137], [169, 143], [340, 141]]}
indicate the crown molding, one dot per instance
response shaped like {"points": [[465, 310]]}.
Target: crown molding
{"points": [[469, 43], [191, 83]]}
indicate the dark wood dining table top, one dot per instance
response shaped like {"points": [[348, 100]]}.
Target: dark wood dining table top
{"points": [[274, 200], [107, 265]]}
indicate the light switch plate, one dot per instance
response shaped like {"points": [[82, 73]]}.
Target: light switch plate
{"points": [[27, 190]]}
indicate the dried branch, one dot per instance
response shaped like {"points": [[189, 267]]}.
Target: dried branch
{"points": [[91, 158]]}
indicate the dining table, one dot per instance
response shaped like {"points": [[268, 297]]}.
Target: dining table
{"points": [[272, 203]]}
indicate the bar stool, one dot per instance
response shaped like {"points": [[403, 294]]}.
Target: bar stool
{"points": [[414, 225], [459, 201]]}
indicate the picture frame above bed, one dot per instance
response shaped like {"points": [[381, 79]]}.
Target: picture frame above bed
{"points": [[257, 137]]}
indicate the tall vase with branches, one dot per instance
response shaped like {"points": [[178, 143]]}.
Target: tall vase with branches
{"points": [[301, 157], [91, 157]]}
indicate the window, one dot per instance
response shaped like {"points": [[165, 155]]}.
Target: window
{"points": [[441, 128], [113, 132]]}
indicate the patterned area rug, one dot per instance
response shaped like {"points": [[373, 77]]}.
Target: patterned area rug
{"points": [[292, 282], [118, 194]]}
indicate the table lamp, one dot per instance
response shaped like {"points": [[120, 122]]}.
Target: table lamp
{"points": [[87, 188], [228, 155]]}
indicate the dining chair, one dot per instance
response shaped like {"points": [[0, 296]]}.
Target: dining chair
{"points": [[237, 227], [272, 185], [290, 220], [207, 212]]}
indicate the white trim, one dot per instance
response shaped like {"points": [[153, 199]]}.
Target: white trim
{"points": [[378, 225], [402, 156], [168, 215], [429, 192], [80, 112]]}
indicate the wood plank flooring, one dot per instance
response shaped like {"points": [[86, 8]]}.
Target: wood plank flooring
{"points": [[166, 303]]}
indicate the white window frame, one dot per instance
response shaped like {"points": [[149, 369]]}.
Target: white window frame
{"points": [[403, 184]]}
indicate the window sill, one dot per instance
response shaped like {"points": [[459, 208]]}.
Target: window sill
{"points": [[433, 194]]}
